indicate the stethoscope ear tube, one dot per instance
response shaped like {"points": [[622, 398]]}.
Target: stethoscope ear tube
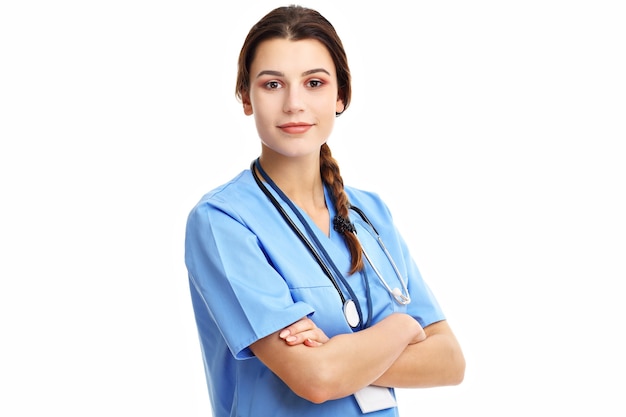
{"points": [[352, 308], [401, 296], [298, 232], [364, 217]]}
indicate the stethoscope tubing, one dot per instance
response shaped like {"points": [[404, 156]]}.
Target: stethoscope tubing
{"points": [[308, 244], [400, 298], [299, 233]]}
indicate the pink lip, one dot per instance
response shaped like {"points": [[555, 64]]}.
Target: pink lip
{"points": [[295, 128]]}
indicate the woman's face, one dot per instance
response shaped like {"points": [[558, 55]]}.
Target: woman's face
{"points": [[293, 95]]}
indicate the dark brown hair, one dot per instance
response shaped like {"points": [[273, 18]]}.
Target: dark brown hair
{"points": [[298, 23]]}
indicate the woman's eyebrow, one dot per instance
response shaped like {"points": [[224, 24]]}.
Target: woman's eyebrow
{"points": [[313, 71], [268, 72], [280, 74]]}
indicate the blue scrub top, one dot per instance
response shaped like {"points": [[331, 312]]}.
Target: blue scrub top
{"points": [[251, 276]]}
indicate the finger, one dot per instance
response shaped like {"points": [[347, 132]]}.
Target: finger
{"points": [[312, 343], [298, 338], [300, 326]]}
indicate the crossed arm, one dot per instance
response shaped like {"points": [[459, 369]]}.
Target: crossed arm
{"points": [[396, 352]]}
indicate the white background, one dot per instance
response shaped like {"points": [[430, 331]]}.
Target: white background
{"points": [[493, 129]]}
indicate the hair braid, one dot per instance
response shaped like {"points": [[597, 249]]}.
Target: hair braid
{"points": [[329, 168]]}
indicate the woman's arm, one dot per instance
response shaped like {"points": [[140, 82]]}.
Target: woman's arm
{"points": [[437, 361], [342, 365]]}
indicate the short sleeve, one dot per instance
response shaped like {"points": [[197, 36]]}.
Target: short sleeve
{"points": [[245, 297], [424, 307]]}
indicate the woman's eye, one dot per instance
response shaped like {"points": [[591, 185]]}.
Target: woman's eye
{"points": [[315, 83], [272, 85]]}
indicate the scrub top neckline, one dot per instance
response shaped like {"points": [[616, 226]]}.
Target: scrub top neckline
{"points": [[332, 234]]}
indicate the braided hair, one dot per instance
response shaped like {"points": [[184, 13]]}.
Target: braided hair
{"points": [[329, 168], [297, 23]]}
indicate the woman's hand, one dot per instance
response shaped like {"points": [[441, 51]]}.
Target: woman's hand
{"points": [[305, 332], [339, 366]]}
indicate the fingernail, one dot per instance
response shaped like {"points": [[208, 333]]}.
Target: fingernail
{"points": [[290, 339], [284, 334]]}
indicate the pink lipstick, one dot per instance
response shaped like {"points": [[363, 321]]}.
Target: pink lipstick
{"points": [[295, 128]]}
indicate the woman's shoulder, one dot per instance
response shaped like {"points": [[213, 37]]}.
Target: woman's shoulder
{"points": [[227, 192], [367, 200], [355, 191]]}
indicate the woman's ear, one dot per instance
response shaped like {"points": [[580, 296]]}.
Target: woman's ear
{"points": [[247, 105], [339, 107]]}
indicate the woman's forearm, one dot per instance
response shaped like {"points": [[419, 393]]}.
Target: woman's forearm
{"points": [[437, 361], [364, 356], [343, 365]]}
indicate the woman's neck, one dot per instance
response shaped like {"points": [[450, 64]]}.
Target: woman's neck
{"points": [[301, 181]]}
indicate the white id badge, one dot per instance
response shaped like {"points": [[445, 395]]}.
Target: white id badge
{"points": [[372, 398]]}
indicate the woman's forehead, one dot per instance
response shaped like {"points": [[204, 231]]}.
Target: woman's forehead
{"points": [[284, 55]]}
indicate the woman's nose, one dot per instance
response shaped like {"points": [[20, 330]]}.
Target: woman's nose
{"points": [[293, 101]]}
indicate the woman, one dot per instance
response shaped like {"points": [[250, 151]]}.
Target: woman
{"points": [[306, 298]]}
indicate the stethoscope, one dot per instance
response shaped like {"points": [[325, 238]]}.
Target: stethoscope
{"points": [[351, 306]]}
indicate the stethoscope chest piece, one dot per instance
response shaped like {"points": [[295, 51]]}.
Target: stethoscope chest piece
{"points": [[351, 313], [400, 297]]}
